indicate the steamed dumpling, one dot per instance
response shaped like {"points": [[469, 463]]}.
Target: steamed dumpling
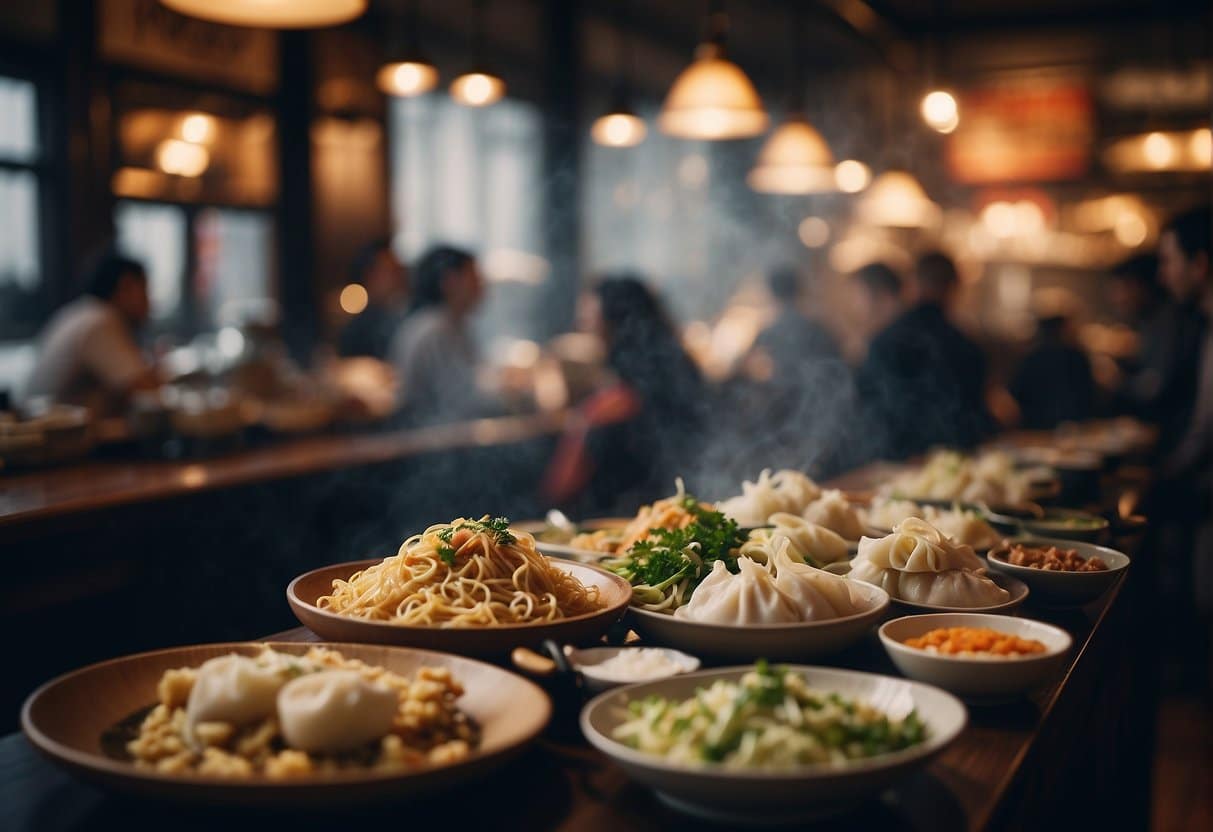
{"points": [[886, 512], [836, 513], [335, 710], [817, 543], [785, 490], [749, 597], [917, 546], [819, 595], [233, 689], [963, 526], [961, 588]]}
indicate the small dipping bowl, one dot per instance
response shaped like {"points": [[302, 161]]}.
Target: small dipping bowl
{"points": [[587, 661]]}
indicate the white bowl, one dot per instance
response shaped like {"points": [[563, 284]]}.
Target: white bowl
{"points": [[586, 662], [777, 642], [1065, 588], [748, 797], [1018, 589], [976, 677]]}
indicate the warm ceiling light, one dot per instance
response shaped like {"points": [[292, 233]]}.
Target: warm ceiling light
{"points": [[618, 129], [353, 298], [477, 89], [1200, 147], [940, 111], [852, 176], [814, 232], [198, 128], [407, 78], [794, 160], [1130, 230], [182, 158], [895, 199], [271, 14], [1159, 150], [713, 98]]}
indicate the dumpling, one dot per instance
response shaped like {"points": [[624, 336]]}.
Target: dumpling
{"points": [[819, 595], [749, 597], [816, 543], [335, 710], [234, 689], [785, 490], [836, 513], [963, 526], [959, 588], [887, 512], [916, 546]]}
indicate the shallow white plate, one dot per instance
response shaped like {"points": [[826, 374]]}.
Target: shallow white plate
{"points": [[749, 797], [976, 678], [587, 661], [1065, 588], [777, 642]]}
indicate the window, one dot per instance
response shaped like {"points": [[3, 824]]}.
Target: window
{"points": [[473, 178], [21, 266], [154, 234]]}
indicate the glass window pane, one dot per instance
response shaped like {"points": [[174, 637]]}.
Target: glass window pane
{"points": [[234, 277], [19, 261], [18, 120], [155, 234]]}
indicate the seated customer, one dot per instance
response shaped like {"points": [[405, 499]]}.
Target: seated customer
{"points": [[369, 333], [1054, 383], [433, 350], [87, 352]]}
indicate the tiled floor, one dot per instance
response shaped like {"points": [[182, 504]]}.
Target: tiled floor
{"points": [[1183, 766]]}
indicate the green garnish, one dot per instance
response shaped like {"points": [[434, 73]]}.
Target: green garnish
{"points": [[498, 528]]}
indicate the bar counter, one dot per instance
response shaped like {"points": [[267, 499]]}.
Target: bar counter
{"points": [[29, 500]]}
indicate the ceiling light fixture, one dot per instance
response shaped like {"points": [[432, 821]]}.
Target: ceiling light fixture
{"points": [[407, 72], [271, 14], [619, 126], [713, 99], [478, 87]]}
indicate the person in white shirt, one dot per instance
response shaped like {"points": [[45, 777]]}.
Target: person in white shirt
{"points": [[432, 349], [87, 352]]}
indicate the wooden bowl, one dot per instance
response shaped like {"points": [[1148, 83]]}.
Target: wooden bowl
{"points": [[487, 642], [67, 717]]}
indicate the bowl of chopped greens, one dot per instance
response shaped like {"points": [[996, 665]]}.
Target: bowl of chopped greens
{"points": [[771, 743]]}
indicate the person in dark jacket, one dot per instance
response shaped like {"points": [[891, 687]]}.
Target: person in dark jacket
{"points": [[923, 381], [1054, 383]]}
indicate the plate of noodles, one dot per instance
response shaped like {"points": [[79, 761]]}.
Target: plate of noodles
{"points": [[284, 724], [474, 587]]}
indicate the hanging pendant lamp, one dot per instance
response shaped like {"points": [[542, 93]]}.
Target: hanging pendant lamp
{"points": [[713, 99], [407, 71], [619, 126], [478, 87], [896, 200], [271, 14]]}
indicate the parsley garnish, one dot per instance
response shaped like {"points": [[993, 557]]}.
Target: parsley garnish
{"points": [[497, 527]]}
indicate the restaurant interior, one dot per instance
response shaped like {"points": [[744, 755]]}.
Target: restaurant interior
{"points": [[755, 406]]}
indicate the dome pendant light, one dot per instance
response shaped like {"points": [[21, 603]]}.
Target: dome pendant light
{"points": [[478, 87], [407, 72], [795, 159], [713, 99], [938, 106], [619, 126], [271, 14], [896, 200]]}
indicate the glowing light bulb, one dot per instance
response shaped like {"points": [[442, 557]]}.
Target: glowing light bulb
{"points": [[852, 176], [182, 158], [407, 78], [940, 111], [477, 89], [814, 232], [1130, 230], [353, 298], [198, 128], [1200, 147], [1158, 150], [619, 130]]}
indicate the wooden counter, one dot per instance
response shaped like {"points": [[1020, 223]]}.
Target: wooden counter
{"points": [[97, 485], [1011, 768]]}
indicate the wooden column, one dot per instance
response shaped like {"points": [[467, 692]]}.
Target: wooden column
{"points": [[296, 272], [561, 160]]}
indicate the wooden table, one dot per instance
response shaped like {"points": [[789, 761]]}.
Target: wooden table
{"points": [[1009, 767], [30, 501]]}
